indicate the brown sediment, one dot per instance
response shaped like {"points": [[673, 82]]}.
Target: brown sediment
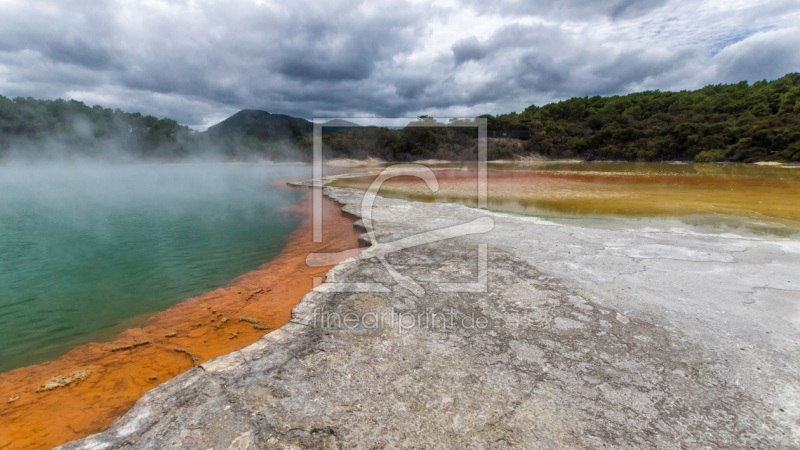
{"points": [[113, 375]]}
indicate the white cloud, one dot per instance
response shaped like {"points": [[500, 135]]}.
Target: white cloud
{"points": [[764, 55], [198, 60]]}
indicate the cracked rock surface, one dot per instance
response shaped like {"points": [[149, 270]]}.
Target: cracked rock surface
{"points": [[583, 337]]}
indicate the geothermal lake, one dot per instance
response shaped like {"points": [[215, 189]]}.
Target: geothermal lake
{"points": [[87, 251], [714, 198]]}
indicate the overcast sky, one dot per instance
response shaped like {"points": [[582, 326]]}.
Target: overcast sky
{"points": [[200, 61]]}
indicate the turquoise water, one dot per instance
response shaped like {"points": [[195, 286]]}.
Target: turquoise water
{"points": [[87, 251]]}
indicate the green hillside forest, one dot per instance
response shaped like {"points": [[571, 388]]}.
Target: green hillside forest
{"points": [[733, 122], [42, 129], [53, 128], [725, 122]]}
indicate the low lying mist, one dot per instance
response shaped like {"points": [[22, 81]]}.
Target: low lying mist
{"points": [[88, 246], [33, 131]]}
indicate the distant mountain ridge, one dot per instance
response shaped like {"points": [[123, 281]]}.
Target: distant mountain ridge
{"points": [[341, 123], [337, 125], [250, 121]]}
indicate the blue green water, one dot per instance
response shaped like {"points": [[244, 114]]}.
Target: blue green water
{"points": [[87, 251]]}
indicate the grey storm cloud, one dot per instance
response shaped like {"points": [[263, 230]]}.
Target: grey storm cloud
{"points": [[469, 49], [571, 8], [199, 61]]}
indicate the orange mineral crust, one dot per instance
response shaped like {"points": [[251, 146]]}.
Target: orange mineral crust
{"points": [[83, 392]]}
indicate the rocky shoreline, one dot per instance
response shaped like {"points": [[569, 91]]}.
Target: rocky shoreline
{"points": [[84, 391], [584, 337]]}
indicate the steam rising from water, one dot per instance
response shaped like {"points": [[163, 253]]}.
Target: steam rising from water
{"points": [[87, 247]]}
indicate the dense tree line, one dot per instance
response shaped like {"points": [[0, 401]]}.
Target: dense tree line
{"points": [[733, 122], [41, 129], [421, 139], [36, 128]]}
